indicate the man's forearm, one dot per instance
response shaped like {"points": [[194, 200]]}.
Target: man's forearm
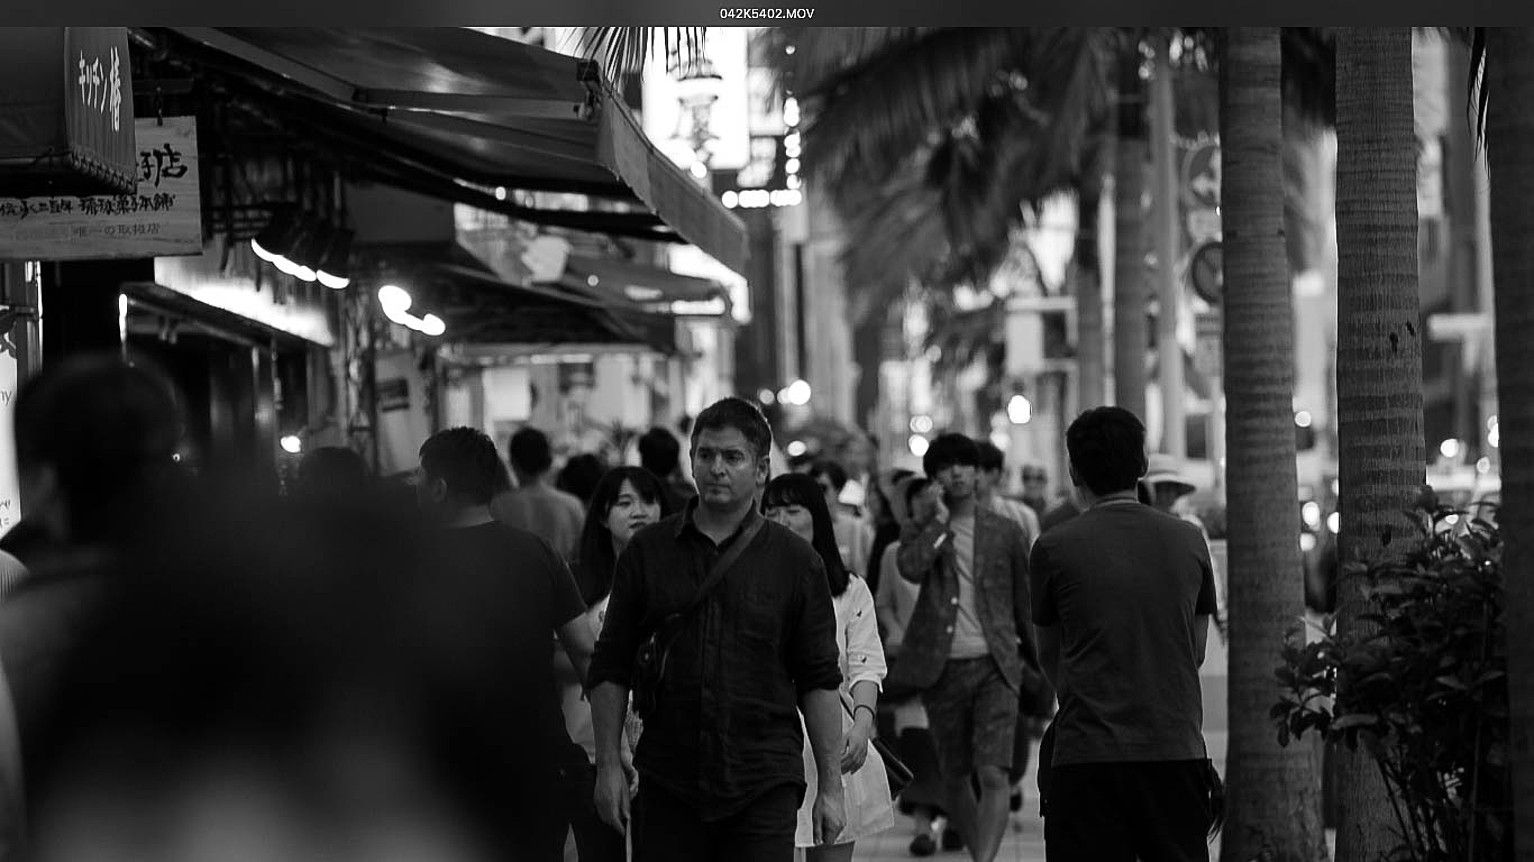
{"points": [[822, 710], [609, 704]]}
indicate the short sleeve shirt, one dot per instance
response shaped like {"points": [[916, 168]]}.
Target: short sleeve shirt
{"points": [[1125, 584]]}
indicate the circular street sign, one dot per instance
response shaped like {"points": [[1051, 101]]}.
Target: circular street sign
{"points": [[1207, 270], [1201, 176]]}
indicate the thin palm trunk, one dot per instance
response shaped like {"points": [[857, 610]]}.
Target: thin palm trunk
{"points": [[1381, 464], [1275, 795], [1510, 153], [1091, 358], [1131, 330]]}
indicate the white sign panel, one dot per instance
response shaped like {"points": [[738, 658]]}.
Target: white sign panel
{"points": [[163, 218]]}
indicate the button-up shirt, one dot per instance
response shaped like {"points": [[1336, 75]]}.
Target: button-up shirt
{"points": [[726, 725]]}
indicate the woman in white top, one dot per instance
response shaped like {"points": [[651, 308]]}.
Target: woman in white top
{"points": [[625, 499], [795, 501]]}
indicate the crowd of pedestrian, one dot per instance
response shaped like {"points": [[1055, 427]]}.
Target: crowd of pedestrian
{"points": [[589, 661]]}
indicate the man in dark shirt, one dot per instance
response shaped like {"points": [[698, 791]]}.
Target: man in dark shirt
{"points": [[720, 761], [661, 454], [513, 593], [1122, 596]]}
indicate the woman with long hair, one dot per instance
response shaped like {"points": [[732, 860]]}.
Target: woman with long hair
{"points": [[797, 502], [624, 500]]}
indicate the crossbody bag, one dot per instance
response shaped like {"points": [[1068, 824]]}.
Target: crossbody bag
{"points": [[650, 659]]}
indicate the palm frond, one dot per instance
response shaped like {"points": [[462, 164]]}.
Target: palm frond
{"points": [[803, 58], [1479, 93], [622, 51], [877, 113]]}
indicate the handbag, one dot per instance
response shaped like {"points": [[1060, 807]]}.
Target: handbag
{"points": [[900, 775], [649, 669]]}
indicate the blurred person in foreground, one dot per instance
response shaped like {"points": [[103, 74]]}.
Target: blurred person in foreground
{"points": [[796, 501], [721, 766], [535, 504], [1122, 596], [968, 647], [626, 500], [333, 472], [661, 454], [456, 480], [297, 681], [95, 440]]}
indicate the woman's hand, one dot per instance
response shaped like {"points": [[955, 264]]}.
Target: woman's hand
{"points": [[855, 746]]}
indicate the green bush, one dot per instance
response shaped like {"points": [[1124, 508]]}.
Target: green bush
{"points": [[1425, 692]]}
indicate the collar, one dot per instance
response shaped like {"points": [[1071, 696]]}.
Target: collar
{"points": [[1117, 499], [685, 522]]}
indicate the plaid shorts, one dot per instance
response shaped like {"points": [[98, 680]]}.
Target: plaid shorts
{"points": [[973, 716]]}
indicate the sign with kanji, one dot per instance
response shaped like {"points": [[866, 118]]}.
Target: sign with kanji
{"points": [[66, 111], [163, 219]]}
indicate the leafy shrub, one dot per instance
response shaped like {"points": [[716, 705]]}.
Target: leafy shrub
{"points": [[1425, 692]]}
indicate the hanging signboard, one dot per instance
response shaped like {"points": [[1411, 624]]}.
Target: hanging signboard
{"points": [[66, 111], [164, 218]]}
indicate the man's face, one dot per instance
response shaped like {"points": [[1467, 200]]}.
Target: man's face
{"points": [[726, 468], [957, 480], [1034, 483]]}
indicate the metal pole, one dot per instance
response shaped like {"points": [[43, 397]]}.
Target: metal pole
{"points": [[1165, 227]]}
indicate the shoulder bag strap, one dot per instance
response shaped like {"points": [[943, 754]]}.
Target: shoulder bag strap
{"points": [[721, 567]]}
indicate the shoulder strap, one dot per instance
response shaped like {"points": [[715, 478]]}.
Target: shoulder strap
{"points": [[722, 566]]}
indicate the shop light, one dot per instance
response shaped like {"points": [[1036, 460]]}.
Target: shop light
{"points": [[796, 394], [279, 236], [1311, 513], [292, 444], [335, 266], [796, 448], [1020, 410], [1303, 419], [1450, 448], [918, 445], [432, 325], [1334, 523]]}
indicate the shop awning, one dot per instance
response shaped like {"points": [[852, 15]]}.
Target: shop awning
{"points": [[481, 308], [643, 285], [458, 113]]}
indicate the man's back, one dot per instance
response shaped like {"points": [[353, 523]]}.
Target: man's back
{"points": [[554, 515], [1125, 584], [508, 591]]}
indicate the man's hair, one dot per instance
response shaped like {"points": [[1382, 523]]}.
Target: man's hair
{"points": [[659, 452], [530, 452], [1107, 449], [831, 470], [465, 459], [108, 429], [947, 450], [991, 458], [739, 414]]}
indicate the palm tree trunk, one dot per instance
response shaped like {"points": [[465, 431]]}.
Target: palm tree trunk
{"points": [[1379, 358], [1275, 794], [1509, 134], [1131, 338], [1091, 356]]}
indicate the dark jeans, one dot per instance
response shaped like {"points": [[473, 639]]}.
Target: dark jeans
{"points": [[1117, 812], [667, 829]]}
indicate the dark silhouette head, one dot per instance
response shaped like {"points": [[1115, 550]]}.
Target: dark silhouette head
{"points": [[1107, 450], [92, 434], [333, 471], [459, 469], [530, 453], [580, 476], [660, 452]]}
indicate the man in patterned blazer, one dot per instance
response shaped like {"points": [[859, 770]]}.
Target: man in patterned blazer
{"points": [[969, 646]]}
